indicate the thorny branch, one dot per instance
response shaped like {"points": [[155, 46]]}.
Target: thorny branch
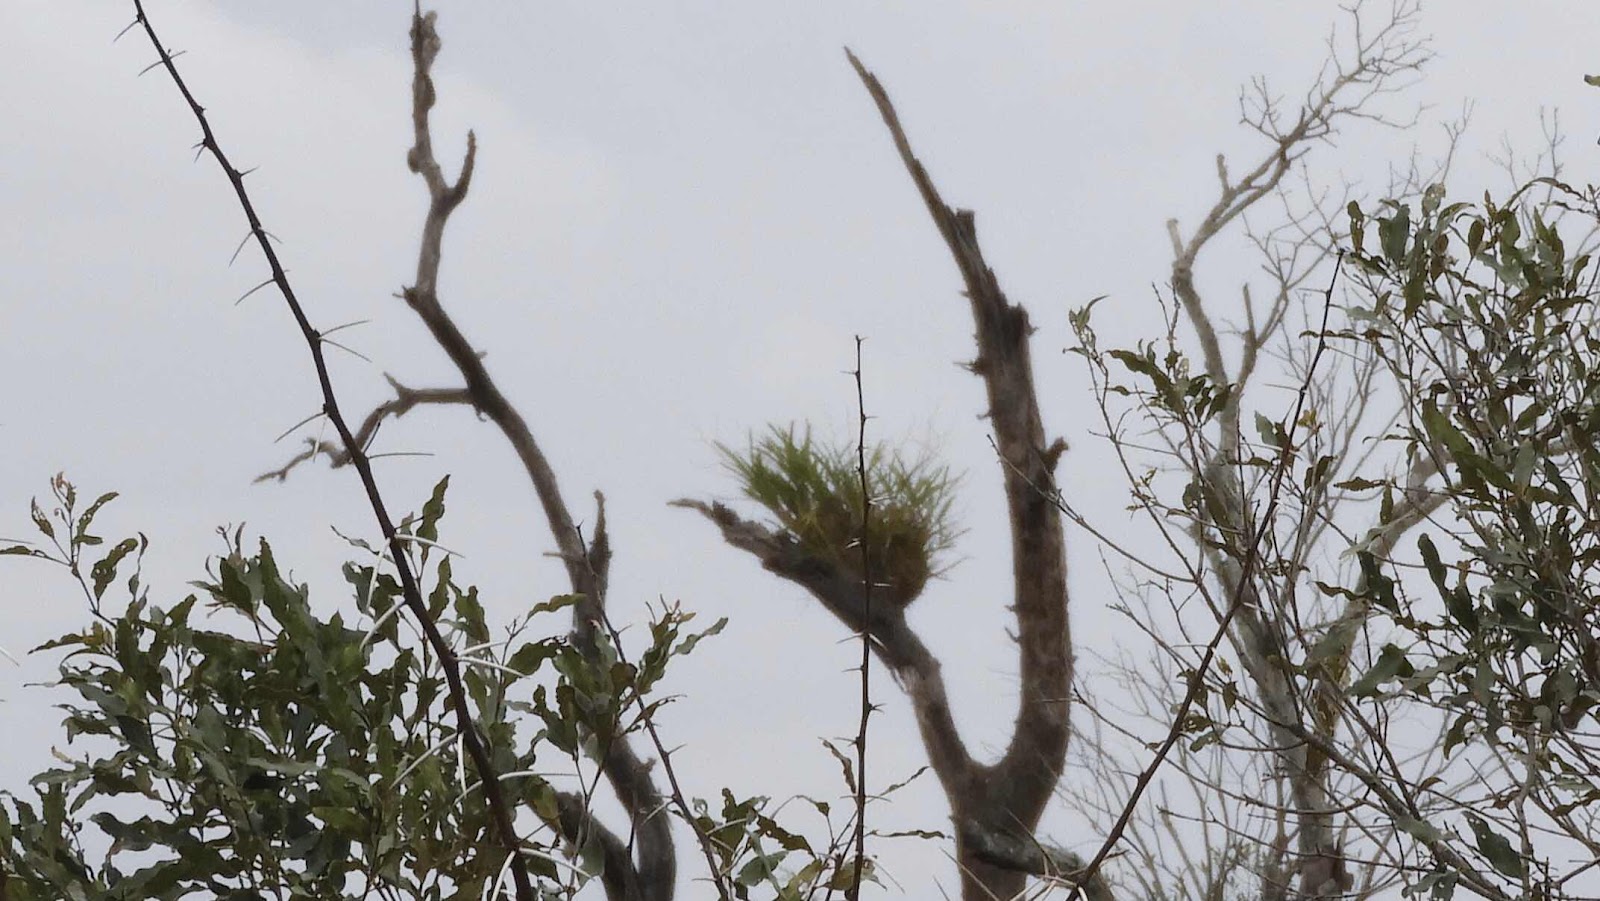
{"points": [[854, 892], [499, 808], [404, 401]]}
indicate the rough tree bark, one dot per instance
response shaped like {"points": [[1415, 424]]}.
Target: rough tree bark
{"points": [[995, 807]]}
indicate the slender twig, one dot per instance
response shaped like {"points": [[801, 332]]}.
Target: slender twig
{"points": [[679, 800], [1289, 430], [499, 809]]}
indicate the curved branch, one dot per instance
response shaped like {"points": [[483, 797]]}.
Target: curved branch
{"points": [[1025, 778], [586, 564], [578, 825], [893, 640]]}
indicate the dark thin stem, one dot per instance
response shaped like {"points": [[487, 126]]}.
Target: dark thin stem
{"points": [[499, 810], [866, 640]]}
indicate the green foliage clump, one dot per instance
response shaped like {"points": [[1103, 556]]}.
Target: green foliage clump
{"points": [[813, 490], [255, 747], [1486, 317]]}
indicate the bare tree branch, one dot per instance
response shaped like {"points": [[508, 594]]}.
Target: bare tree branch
{"points": [[1032, 764], [1008, 797], [893, 639], [586, 565], [404, 401]]}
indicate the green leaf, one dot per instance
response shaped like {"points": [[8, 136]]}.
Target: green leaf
{"points": [[432, 512], [559, 602], [1473, 469], [135, 836], [531, 656], [1271, 432], [1318, 472], [1375, 586], [40, 521], [1359, 484], [87, 517], [1421, 830], [1358, 226], [1432, 197], [1393, 234], [1497, 848], [103, 572], [760, 868], [1415, 292], [342, 819], [1391, 663], [1336, 642], [469, 612]]}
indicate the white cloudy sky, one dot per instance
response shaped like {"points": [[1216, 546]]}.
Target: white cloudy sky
{"points": [[682, 214]]}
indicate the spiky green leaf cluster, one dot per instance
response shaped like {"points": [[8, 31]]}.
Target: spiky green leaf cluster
{"points": [[813, 490]]}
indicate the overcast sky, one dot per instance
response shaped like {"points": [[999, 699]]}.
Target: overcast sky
{"points": [[682, 214]]}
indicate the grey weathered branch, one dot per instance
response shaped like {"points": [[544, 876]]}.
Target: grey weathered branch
{"points": [[1260, 629], [1010, 796], [1028, 772], [895, 642], [1390, 52], [645, 868], [575, 819], [654, 874]]}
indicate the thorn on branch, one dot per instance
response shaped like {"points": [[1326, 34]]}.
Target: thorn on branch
{"points": [[240, 249], [292, 429], [1052, 454], [247, 294]]}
